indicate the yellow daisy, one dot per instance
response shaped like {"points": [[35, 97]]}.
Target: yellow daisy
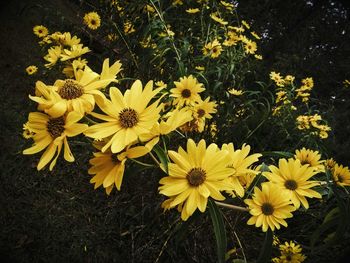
{"points": [[240, 162], [51, 133], [127, 117], [53, 56], [311, 158], [250, 47], [92, 20], [269, 207], [292, 178], [290, 253], [215, 17], [40, 31], [31, 69], [192, 10], [194, 176], [77, 64], [77, 94], [74, 52], [108, 168], [186, 91], [213, 48], [203, 108], [341, 175], [235, 92]]}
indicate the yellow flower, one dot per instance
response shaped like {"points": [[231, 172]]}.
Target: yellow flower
{"points": [[194, 176], [128, 27], [259, 57], [92, 20], [277, 78], [245, 24], [290, 253], [215, 17], [292, 178], [40, 31], [74, 52], [51, 133], [112, 37], [200, 68], [289, 78], [76, 64], [126, 117], [174, 120], [177, 2], [235, 92], [75, 94], [203, 108], [27, 132], [31, 69], [240, 163], [329, 164], [341, 175], [346, 83], [192, 10], [65, 39], [269, 207], [227, 5], [232, 40], [53, 55], [108, 168], [255, 35], [186, 91], [308, 82], [310, 157], [213, 48]]}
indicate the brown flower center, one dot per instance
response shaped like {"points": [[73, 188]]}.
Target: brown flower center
{"points": [[186, 93], [291, 184], [55, 127], [200, 113], [267, 209], [70, 90], [93, 22], [128, 118], [340, 179], [196, 176]]}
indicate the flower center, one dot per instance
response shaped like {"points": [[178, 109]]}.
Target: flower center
{"points": [[70, 90], [196, 176], [291, 184], [200, 113], [267, 209], [128, 118], [55, 127], [93, 22], [186, 93], [304, 162], [340, 179]]}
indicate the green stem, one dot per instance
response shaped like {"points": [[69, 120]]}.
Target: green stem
{"points": [[234, 207]]}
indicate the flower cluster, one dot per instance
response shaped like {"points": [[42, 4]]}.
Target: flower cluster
{"points": [[313, 125], [62, 47]]}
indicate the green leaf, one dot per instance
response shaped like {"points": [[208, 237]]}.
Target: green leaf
{"points": [[266, 250], [219, 230], [163, 157]]}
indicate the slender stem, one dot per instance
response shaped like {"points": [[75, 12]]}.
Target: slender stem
{"points": [[234, 207], [89, 120], [166, 29], [141, 163], [154, 158]]}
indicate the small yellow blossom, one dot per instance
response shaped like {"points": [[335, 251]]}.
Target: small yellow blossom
{"points": [[31, 69], [92, 20], [40, 31], [192, 10]]}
